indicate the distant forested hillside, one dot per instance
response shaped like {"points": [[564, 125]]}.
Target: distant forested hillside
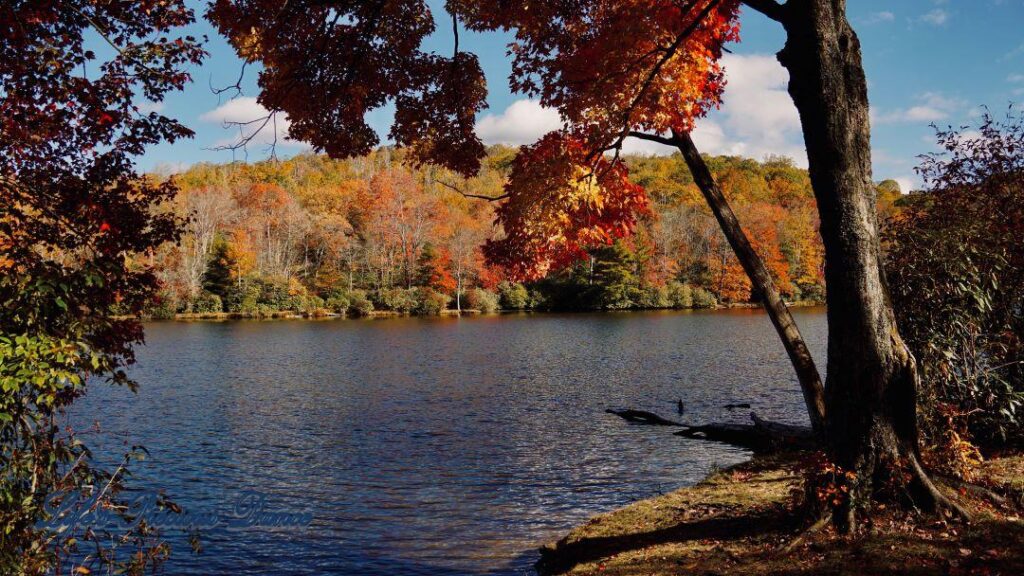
{"points": [[311, 234]]}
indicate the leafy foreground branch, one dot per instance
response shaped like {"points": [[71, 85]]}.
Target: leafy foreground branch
{"points": [[743, 519], [76, 222]]}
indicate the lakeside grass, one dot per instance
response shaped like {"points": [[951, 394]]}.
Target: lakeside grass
{"points": [[738, 520]]}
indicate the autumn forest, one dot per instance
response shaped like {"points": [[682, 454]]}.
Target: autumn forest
{"points": [[314, 236], [875, 428]]}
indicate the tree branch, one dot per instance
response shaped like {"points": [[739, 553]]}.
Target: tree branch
{"points": [[465, 194], [769, 8], [654, 138]]}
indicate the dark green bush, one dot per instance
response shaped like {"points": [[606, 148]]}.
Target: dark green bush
{"points": [[483, 300], [680, 295], [207, 302], [338, 303], [654, 298], [359, 303], [955, 262], [513, 296], [395, 299], [703, 299], [430, 302]]}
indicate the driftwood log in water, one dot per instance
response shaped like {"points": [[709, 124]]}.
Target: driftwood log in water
{"points": [[641, 417], [759, 436]]}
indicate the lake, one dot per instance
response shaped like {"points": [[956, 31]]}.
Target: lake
{"points": [[435, 446]]}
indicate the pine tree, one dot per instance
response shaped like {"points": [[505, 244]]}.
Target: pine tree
{"points": [[218, 276]]}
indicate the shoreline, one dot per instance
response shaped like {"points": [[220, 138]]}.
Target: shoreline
{"points": [[740, 519], [378, 314]]}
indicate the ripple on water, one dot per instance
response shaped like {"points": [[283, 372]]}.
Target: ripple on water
{"points": [[432, 446]]}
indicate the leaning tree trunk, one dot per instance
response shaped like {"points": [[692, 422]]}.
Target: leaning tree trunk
{"points": [[800, 356], [871, 393]]}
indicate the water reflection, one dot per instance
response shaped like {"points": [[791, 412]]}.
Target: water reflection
{"points": [[434, 446]]}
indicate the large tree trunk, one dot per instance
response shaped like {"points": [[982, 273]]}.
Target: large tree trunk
{"points": [[872, 377], [803, 362]]}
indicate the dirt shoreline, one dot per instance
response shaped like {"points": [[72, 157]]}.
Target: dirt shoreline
{"points": [[738, 520]]}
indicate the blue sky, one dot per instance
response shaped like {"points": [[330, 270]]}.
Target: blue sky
{"points": [[928, 61]]}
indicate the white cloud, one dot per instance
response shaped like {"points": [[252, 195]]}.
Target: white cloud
{"points": [[1015, 78], [169, 168], [880, 17], [931, 107], [758, 117], [907, 183], [646, 148], [523, 122], [146, 107], [249, 119], [936, 17]]}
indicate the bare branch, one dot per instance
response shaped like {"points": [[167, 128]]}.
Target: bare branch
{"points": [[245, 139], [465, 194], [237, 86], [769, 8]]}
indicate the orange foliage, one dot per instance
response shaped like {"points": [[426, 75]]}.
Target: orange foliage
{"points": [[557, 207], [608, 66]]}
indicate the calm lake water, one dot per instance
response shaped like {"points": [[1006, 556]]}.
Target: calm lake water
{"points": [[432, 446]]}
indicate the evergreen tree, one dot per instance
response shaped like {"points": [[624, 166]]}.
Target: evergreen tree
{"points": [[217, 278], [615, 283]]}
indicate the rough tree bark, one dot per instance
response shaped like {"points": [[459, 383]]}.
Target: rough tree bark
{"points": [[871, 394]]}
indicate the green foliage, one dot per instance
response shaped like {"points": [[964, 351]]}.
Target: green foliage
{"points": [[614, 284], [680, 295], [274, 293], [430, 302], [207, 302], [400, 300], [242, 299], [513, 296], [483, 300], [654, 298], [217, 278], [309, 305], [704, 299], [360, 304], [811, 291], [163, 308], [338, 303]]}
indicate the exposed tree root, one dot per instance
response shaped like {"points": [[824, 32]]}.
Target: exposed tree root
{"points": [[976, 489], [933, 500], [806, 534]]}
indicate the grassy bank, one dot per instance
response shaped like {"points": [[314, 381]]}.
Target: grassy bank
{"points": [[739, 520]]}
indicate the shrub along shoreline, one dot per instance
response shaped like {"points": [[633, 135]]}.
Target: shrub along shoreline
{"points": [[287, 298], [329, 314]]}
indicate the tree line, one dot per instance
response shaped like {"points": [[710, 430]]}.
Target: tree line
{"points": [[315, 235]]}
